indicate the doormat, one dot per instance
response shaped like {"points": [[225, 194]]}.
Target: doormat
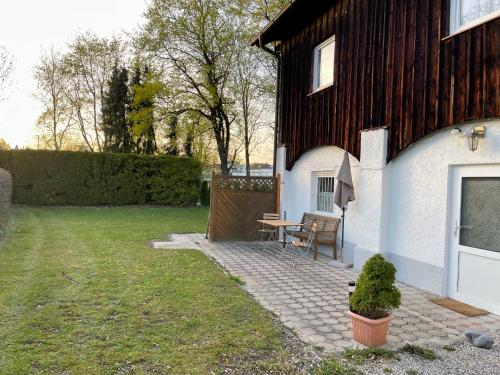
{"points": [[459, 307]]}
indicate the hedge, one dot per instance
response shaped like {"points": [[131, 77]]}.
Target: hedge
{"points": [[205, 194], [93, 179], [5, 198]]}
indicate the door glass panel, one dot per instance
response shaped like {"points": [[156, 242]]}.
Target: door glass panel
{"points": [[480, 217]]}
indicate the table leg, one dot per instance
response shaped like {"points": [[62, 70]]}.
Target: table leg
{"points": [[284, 237]]}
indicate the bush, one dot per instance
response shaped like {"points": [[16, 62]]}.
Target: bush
{"points": [[5, 197], [375, 293], [205, 194], [92, 179]]}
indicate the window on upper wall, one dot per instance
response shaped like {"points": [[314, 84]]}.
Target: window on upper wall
{"points": [[323, 187], [467, 13], [324, 58]]}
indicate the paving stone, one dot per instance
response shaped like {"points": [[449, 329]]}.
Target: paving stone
{"points": [[347, 334], [340, 327], [396, 330], [344, 344], [331, 321], [312, 298], [307, 331], [407, 337], [316, 310], [333, 336], [317, 323], [394, 339], [325, 328], [316, 339], [323, 316], [329, 347]]}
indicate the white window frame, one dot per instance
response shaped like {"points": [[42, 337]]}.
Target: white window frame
{"points": [[317, 65], [455, 16], [314, 199]]}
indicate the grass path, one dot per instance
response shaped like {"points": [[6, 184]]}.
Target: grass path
{"points": [[82, 293]]}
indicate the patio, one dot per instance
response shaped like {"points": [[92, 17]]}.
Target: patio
{"points": [[311, 299]]}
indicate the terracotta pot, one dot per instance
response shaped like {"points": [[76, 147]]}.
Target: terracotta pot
{"points": [[369, 332]]}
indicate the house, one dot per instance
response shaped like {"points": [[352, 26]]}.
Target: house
{"points": [[411, 89]]}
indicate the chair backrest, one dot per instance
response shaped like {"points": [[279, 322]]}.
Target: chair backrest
{"points": [[312, 234], [331, 225], [268, 216], [308, 221], [324, 223]]}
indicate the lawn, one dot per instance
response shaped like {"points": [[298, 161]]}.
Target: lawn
{"points": [[82, 293]]}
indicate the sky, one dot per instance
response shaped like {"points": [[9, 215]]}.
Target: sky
{"points": [[29, 26]]}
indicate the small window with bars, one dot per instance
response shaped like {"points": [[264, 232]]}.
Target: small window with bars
{"points": [[325, 184]]}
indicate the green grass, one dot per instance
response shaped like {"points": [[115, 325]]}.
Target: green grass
{"points": [[334, 367], [360, 356], [424, 353], [82, 293]]}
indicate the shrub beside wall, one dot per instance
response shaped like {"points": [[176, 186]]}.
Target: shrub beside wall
{"points": [[5, 198], [205, 194], [91, 179]]}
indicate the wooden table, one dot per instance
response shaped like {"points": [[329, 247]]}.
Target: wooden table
{"points": [[281, 224]]}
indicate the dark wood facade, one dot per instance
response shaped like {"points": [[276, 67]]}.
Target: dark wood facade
{"points": [[395, 66]]}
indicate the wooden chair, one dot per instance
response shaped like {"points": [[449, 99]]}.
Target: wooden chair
{"points": [[270, 232], [300, 247]]}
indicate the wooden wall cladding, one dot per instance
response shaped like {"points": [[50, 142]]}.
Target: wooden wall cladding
{"points": [[394, 67]]}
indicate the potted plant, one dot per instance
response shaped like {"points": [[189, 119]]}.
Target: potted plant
{"points": [[373, 299]]}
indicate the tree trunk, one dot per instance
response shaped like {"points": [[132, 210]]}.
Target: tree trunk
{"points": [[247, 150]]}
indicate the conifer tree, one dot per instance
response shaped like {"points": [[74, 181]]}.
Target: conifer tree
{"points": [[115, 113]]}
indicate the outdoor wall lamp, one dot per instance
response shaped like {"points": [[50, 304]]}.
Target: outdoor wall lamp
{"points": [[473, 137]]}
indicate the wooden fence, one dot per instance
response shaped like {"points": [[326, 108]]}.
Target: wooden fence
{"points": [[236, 203]]}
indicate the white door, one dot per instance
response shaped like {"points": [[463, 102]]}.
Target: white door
{"points": [[474, 273]]}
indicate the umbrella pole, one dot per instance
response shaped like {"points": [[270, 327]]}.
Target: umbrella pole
{"points": [[342, 245]]}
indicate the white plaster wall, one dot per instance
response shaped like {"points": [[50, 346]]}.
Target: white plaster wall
{"points": [[373, 176], [297, 184], [401, 208], [419, 190]]}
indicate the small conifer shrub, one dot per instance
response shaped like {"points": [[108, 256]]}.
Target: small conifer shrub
{"points": [[376, 295]]}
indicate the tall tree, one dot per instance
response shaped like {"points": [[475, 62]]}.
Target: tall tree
{"points": [[6, 70], [116, 102], [57, 117], [4, 145], [196, 41], [90, 63], [172, 147], [262, 11], [189, 143], [253, 102], [144, 90]]}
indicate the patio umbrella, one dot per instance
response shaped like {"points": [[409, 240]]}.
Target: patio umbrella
{"points": [[344, 193]]}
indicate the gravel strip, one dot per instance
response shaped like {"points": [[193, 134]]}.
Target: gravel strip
{"points": [[466, 359]]}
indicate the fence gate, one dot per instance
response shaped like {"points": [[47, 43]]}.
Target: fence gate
{"points": [[236, 203]]}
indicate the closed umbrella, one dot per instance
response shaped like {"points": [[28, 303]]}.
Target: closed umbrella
{"points": [[344, 193]]}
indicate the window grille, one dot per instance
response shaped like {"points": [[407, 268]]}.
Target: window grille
{"points": [[325, 186]]}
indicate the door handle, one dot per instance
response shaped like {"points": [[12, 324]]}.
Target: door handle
{"points": [[458, 227]]}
